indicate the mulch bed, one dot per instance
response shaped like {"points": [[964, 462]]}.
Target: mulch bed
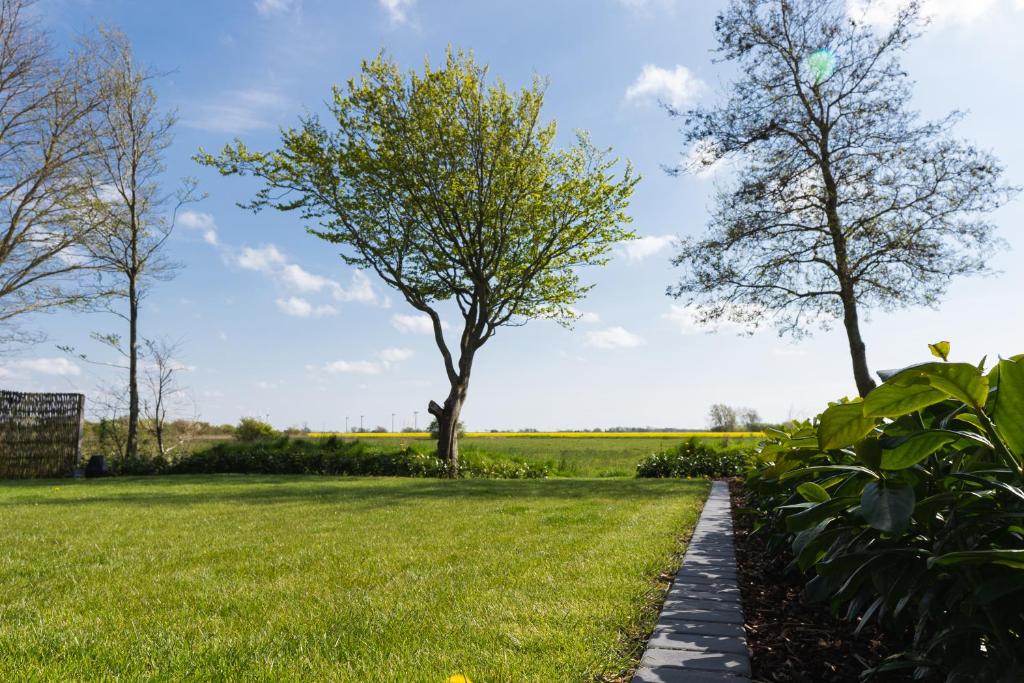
{"points": [[790, 640]]}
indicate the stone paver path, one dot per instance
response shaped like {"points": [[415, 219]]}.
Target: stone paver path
{"points": [[699, 635]]}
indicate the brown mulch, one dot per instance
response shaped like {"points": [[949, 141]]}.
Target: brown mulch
{"points": [[790, 640]]}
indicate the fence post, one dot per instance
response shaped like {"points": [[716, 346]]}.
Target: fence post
{"points": [[81, 430]]}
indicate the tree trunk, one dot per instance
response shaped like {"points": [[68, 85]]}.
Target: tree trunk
{"points": [[858, 351], [132, 443], [448, 427]]}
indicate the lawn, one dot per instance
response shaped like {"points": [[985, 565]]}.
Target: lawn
{"points": [[591, 456], [314, 578]]}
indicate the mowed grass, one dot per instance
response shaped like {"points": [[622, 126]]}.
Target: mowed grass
{"points": [[319, 579], [592, 456]]}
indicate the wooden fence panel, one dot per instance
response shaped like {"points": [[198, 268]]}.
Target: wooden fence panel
{"points": [[40, 434]]}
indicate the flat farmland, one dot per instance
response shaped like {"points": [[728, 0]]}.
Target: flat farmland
{"points": [[569, 454]]}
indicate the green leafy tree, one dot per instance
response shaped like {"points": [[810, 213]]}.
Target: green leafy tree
{"points": [[250, 429], [448, 186], [844, 200]]}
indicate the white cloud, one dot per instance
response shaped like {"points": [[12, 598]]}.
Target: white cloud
{"points": [[395, 355], [415, 324], [614, 338], [881, 13], [359, 289], [200, 221], [270, 261], [387, 359], [264, 385], [359, 367], [265, 259], [49, 366], [648, 4], [639, 249], [239, 111], [397, 10], [676, 87], [587, 317], [300, 308], [266, 8]]}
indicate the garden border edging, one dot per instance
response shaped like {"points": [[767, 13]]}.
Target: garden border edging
{"points": [[699, 636]]}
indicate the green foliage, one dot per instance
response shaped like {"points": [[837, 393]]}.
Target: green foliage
{"points": [[692, 458], [906, 509], [334, 456], [435, 430], [250, 429]]}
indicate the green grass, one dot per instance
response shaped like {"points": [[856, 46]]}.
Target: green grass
{"points": [[568, 457], [316, 578]]}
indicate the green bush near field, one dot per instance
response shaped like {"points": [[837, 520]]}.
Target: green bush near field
{"points": [[694, 458], [328, 456]]}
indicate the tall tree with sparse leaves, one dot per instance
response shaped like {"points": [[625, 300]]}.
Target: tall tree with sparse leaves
{"points": [[131, 207], [448, 186], [47, 159], [844, 200]]}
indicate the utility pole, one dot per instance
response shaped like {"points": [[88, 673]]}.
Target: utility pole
{"points": [[392, 422], [346, 424], [415, 424], [361, 423]]}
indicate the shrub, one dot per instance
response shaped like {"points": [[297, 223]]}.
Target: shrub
{"points": [[691, 458], [333, 456], [435, 432], [905, 509], [250, 429]]}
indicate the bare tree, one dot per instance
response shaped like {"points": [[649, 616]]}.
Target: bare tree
{"points": [[844, 200], [723, 418], [129, 203], [165, 392], [46, 158], [748, 418]]}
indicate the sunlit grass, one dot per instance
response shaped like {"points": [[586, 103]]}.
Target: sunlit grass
{"points": [[316, 578]]}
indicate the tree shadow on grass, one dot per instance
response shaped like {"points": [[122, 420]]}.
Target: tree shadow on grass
{"points": [[353, 492]]}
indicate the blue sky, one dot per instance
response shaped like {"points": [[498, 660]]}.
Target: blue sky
{"points": [[273, 324]]}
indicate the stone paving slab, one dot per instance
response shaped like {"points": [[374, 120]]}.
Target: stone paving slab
{"points": [[699, 636]]}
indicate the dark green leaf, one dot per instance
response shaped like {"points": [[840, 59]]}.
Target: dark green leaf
{"points": [[915, 449], [1008, 558], [813, 492], [887, 507]]}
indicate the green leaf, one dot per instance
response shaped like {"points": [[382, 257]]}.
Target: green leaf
{"points": [[817, 513], [961, 381], [1008, 408], [915, 449], [869, 452], [1007, 558], [813, 492], [843, 424], [971, 419], [828, 468], [894, 400], [996, 588], [940, 349], [887, 507]]}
